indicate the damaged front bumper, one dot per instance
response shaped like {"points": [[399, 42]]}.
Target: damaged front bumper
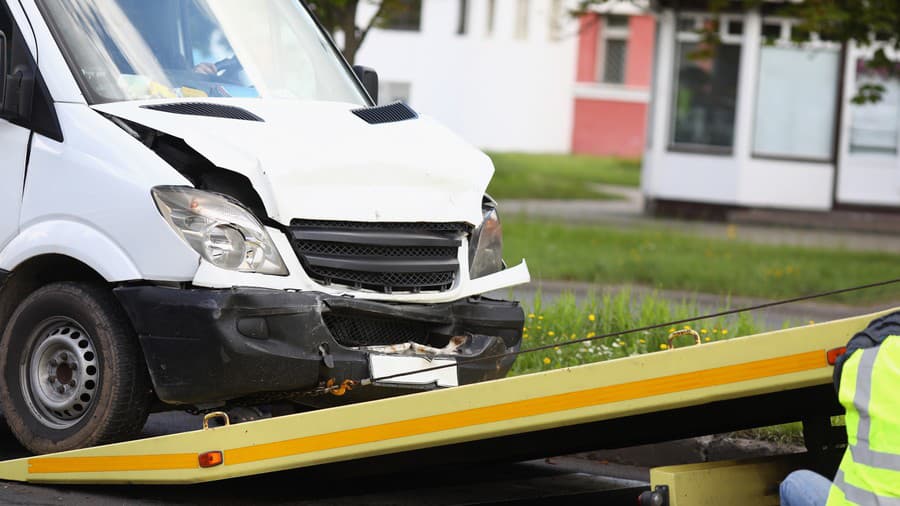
{"points": [[208, 346]]}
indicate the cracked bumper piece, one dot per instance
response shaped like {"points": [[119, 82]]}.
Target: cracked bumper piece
{"points": [[206, 346]]}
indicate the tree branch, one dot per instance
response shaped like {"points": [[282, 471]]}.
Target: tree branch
{"points": [[378, 13]]}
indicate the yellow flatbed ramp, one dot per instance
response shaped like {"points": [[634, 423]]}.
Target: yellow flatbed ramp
{"points": [[563, 400]]}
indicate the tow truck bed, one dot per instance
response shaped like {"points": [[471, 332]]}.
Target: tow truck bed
{"points": [[744, 382]]}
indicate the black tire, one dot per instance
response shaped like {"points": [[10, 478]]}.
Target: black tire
{"points": [[71, 370]]}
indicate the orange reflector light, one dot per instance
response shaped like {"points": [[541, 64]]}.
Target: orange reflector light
{"points": [[210, 459], [834, 353]]}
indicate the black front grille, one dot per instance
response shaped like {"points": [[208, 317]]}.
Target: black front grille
{"points": [[355, 332], [386, 257]]}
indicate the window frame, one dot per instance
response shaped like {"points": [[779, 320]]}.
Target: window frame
{"points": [[861, 58], [462, 22], [385, 23], [693, 36], [490, 17], [522, 20], [617, 33], [784, 41]]}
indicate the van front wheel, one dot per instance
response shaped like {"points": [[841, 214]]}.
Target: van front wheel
{"points": [[71, 371]]}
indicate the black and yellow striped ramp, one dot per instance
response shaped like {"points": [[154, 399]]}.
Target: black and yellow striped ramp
{"points": [[595, 405]]}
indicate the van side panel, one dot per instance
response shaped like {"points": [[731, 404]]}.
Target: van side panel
{"points": [[90, 195]]}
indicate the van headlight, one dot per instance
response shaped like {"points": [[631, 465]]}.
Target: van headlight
{"points": [[220, 229], [486, 244]]}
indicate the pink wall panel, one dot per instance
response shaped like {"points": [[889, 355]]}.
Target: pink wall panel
{"points": [[587, 48], [639, 61], [608, 127]]}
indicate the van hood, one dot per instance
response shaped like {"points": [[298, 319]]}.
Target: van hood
{"points": [[318, 160]]}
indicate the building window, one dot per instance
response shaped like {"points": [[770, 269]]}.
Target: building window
{"points": [[521, 31], [706, 90], [489, 18], [404, 15], [393, 91], [556, 19], [613, 49], [796, 97], [463, 19], [875, 127], [491, 10]]}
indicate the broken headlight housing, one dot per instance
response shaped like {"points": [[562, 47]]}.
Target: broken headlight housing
{"points": [[486, 244], [220, 229]]}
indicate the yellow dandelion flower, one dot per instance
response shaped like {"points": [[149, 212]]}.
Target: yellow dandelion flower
{"points": [[531, 315], [591, 334], [703, 331], [540, 317], [539, 327], [715, 331], [556, 348], [546, 360], [671, 330], [687, 327], [724, 331], [664, 346], [707, 339], [524, 329], [551, 333], [591, 317], [643, 341]]}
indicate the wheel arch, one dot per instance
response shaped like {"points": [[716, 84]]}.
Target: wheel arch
{"points": [[38, 271]]}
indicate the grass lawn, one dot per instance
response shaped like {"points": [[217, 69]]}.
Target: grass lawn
{"points": [[670, 260], [530, 176], [565, 320]]}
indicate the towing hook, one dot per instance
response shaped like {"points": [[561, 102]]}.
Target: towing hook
{"points": [[683, 332], [221, 415], [339, 390]]}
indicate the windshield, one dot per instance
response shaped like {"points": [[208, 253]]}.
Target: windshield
{"points": [[140, 49]]}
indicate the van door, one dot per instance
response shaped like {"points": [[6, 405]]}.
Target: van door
{"points": [[13, 150]]}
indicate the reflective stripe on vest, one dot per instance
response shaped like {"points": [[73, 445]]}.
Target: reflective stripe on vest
{"points": [[862, 451], [867, 476], [861, 496]]}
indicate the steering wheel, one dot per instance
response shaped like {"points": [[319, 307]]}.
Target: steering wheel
{"points": [[229, 68]]}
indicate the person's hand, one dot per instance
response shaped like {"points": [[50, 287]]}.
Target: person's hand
{"points": [[206, 68]]}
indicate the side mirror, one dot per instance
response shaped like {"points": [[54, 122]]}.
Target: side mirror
{"points": [[3, 71], [16, 83], [369, 79]]}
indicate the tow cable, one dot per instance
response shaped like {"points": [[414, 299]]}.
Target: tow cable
{"points": [[336, 388]]}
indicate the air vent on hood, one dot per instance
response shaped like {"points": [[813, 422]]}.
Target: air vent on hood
{"points": [[391, 113], [205, 109]]}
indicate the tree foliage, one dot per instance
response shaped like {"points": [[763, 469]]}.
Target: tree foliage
{"points": [[340, 16]]}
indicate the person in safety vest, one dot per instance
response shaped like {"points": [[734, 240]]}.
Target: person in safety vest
{"points": [[867, 378]]}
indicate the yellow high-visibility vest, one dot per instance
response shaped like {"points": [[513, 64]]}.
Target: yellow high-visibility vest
{"points": [[870, 392]]}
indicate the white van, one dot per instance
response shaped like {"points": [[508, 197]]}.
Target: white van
{"points": [[201, 207]]}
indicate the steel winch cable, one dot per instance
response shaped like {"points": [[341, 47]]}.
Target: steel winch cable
{"points": [[340, 388]]}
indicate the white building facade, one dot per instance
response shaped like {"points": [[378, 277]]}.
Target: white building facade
{"points": [[765, 122], [498, 72]]}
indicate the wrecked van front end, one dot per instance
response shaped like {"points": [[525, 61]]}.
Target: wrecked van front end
{"points": [[335, 240], [203, 207]]}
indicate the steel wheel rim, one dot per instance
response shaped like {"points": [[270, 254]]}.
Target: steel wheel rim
{"points": [[60, 373]]}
